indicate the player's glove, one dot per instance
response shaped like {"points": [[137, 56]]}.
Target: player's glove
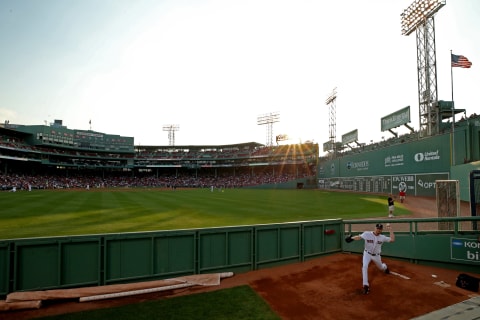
{"points": [[348, 239]]}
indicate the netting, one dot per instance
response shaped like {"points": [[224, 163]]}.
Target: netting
{"points": [[475, 191], [475, 195], [448, 202]]}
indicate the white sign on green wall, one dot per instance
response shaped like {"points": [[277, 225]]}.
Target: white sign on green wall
{"points": [[465, 249]]}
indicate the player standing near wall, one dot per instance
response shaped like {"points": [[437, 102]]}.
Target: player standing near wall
{"points": [[391, 206], [402, 195]]}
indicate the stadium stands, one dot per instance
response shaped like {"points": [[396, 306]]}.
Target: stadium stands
{"points": [[29, 161]]}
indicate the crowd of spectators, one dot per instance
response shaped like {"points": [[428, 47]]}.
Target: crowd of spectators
{"points": [[31, 167], [18, 182]]}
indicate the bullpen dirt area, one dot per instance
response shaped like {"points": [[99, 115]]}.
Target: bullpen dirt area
{"points": [[329, 287]]}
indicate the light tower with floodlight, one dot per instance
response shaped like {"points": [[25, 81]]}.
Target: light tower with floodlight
{"points": [[171, 128], [269, 119], [331, 101], [419, 17]]}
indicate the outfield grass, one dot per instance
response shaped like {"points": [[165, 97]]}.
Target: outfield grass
{"points": [[56, 213], [46, 213], [236, 303]]}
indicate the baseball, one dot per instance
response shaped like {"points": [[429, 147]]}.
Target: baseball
{"points": [[388, 224]]}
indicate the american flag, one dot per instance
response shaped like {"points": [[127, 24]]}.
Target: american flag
{"points": [[460, 61]]}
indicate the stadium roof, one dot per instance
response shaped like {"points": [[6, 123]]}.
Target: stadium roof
{"points": [[13, 132], [248, 145]]}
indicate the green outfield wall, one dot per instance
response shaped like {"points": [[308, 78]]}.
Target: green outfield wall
{"points": [[421, 241], [462, 174], [421, 156], [413, 164], [304, 183], [68, 262]]}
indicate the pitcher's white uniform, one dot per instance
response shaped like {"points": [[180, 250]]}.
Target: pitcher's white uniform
{"points": [[373, 248]]}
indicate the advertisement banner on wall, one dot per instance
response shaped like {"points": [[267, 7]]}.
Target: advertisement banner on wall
{"points": [[405, 183], [425, 183], [465, 249]]}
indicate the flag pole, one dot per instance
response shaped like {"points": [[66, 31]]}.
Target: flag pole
{"points": [[453, 111]]}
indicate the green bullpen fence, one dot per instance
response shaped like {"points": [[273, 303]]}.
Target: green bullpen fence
{"points": [[94, 260]]}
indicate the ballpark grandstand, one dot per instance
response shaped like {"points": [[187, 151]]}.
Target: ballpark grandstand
{"points": [[54, 156]]}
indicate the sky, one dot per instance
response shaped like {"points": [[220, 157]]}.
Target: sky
{"points": [[213, 68]]}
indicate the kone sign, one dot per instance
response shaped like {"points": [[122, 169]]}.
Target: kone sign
{"points": [[465, 249]]}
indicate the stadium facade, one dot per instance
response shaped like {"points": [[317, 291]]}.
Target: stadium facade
{"points": [[411, 162], [81, 158]]}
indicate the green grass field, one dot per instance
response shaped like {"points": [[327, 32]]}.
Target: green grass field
{"points": [[238, 303], [46, 213], [57, 213]]}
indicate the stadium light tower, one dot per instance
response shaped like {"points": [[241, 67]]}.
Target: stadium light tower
{"points": [[269, 119], [332, 119], [419, 17], [171, 128]]}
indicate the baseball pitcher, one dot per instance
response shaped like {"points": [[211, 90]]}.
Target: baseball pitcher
{"points": [[373, 248]]}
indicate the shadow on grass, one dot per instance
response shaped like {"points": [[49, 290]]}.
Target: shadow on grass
{"points": [[240, 302]]}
